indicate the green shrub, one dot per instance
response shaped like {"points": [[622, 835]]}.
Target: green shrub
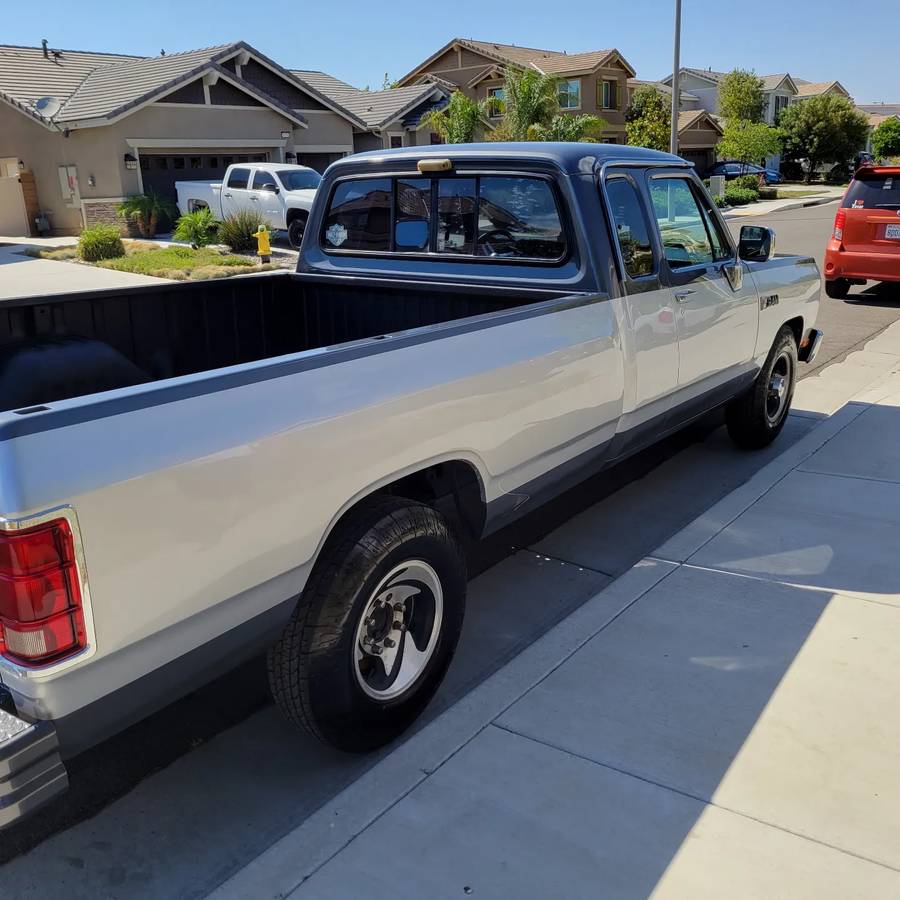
{"points": [[736, 196], [768, 193], [237, 231], [747, 182], [720, 201], [100, 242], [198, 228]]}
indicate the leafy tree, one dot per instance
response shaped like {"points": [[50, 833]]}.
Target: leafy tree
{"points": [[648, 119], [886, 138], [748, 141], [386, 83], [459, 121], [530, 98], [741, 96], [145, 210], [824, 129], [569, 128]]}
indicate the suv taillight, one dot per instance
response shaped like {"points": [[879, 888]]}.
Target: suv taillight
{"points": [[839, 221], [41, 614]]}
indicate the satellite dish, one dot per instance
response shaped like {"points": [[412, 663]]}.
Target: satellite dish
{"points": [[47, 107]]}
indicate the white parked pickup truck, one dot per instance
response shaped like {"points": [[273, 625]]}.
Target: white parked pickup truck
{"points": [[194, 473], [282, 194]]}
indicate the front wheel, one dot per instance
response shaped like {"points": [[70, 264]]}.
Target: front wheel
{"points": [[295, 231], [376, 628], [756, 418]]}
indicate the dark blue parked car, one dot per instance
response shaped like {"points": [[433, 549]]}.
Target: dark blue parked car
{"points": [[731, 168]]}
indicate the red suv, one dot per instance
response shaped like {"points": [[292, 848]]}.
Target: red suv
{"points": [[865, 242]]}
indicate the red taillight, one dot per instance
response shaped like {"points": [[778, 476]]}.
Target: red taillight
{"points": [[41, 615], [839, 221]]}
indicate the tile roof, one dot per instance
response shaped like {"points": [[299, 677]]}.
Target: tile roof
{"points": [[104, 85], [112, 88], [813, 89], [375, 108], [770, 82], [689, 118], [883, 109], [635, 83]]}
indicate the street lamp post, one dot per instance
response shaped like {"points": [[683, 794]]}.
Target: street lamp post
{"points": [[676, 73]]}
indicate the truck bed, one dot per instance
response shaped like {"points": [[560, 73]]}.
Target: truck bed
{"points": [[58, 347]]}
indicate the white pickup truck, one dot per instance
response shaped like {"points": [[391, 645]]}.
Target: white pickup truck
{"points": [[282, 194], [194, 473]]}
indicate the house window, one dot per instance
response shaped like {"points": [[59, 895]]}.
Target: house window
{"points": [[495, 98], [396, 141], [608, 94], [570, 94], [196, 162], [436, 138], [781, 104]]}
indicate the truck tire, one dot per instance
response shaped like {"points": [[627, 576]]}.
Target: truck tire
{"points": [[837, 288], [756, 418], [295, 230], [376, 627]]}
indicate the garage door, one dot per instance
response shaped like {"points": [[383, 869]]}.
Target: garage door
{"points": [[161, 169], [702, 159], [318, 161]]}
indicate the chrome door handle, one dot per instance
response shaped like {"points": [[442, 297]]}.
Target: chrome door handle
{"points": [[255, 198], [227, 195], [681, 296]]}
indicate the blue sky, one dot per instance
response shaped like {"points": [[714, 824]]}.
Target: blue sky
{"points": [[359, 41]]}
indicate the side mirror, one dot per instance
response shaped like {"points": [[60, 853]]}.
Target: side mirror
{"points": [[757, 244], [270, 188]]}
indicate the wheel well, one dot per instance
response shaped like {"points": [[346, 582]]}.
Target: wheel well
{"points": [[796, 326], [296, 214], [453, 488]]}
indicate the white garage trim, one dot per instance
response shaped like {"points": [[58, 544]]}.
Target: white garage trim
{"points": [[323, 148], [189, 143]]}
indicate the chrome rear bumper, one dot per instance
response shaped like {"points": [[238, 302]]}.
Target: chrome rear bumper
{"points": [[31, 771]]}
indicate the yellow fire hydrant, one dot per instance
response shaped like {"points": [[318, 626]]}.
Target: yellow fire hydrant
{"points": [[263, 246]]}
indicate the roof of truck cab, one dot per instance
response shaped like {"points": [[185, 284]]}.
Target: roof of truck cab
{"points": [[573, 158]]}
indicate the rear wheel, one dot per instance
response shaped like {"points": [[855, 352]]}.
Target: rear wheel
{"points": [[756, 418], [376, 627], [837, 288], [296, 227]]}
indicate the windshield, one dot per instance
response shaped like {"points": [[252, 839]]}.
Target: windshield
{"points": [[873, 191], [299, 179]]}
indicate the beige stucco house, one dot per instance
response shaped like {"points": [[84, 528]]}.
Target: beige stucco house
{"points": [[120, 125], [595, 83]]}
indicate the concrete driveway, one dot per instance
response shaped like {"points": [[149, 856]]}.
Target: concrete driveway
{"points": [[25, 276]]}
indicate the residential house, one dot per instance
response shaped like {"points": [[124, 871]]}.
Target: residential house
{"points": [[807, 89], [394, 117], [593, 83], [779, 90], [698, 130], [875, 114], [121, 125]]}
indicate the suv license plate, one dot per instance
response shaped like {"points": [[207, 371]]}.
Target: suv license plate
{"points": [[892, 232]]}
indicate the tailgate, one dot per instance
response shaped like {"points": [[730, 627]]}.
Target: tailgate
{"points": [[873, 230]]}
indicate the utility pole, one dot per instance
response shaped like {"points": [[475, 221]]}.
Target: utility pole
{"points": [[676, 78]]}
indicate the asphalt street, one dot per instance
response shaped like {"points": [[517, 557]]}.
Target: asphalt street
{"points": [[196, 802], [849, 323]]}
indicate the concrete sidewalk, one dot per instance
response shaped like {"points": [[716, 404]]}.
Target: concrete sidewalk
{"points": [[722, 720], [828, 194], [27, 276]]}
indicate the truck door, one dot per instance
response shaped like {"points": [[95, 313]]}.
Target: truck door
{"points": [[235, 190], [266, 196], [716, 308], [648, 303]]}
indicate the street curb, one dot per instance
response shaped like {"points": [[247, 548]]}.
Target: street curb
{"points": [[799, 204], [282, 868]]}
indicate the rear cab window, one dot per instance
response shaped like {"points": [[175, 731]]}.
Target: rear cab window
{"points": [[480, 217], [873, 190]]}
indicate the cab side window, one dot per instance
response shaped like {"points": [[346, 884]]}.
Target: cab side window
{"points": [[632, 228], [239, 178], [682, 229]]}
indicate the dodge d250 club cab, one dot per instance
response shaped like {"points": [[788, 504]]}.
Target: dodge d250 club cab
{"points": [[194, 473]]}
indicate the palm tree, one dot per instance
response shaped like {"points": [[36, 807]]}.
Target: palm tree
{"points": [[145, 210], [569, 128], [530, 98], [459, 121]]}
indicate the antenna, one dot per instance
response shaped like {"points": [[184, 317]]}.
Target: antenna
{"points": [[47, 107]]}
